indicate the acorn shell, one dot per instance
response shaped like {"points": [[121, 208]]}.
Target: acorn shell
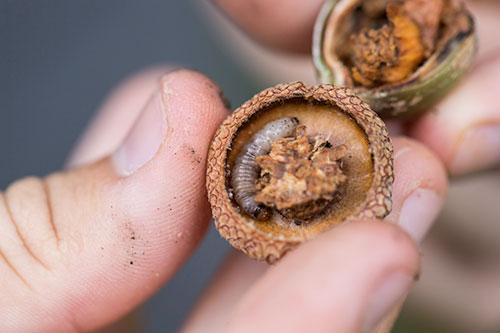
{"points": [[412, 96], [242, 231]]}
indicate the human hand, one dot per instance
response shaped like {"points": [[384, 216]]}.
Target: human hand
{"points": [[84, 246], [464, 131], [342, 281]]}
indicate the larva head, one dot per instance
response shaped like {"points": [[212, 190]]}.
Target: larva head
{"points": [[335, 166], [262, 213]]}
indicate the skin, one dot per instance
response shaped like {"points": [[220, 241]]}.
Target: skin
{"points": [[68, 264], [465, 119], [82, 278]]}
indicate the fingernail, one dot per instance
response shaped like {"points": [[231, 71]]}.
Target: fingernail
{"points": [[385, 296], [479, 149], [144, 139], [419, 211]]}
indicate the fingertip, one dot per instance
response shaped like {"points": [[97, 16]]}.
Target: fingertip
{"points": [[193, 102], [419, 187], [464, 128], [177, 123], [287, 25], [163, 163], [116, 115]]}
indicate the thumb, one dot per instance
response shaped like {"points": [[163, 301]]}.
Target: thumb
{"points": [[81, 248]]}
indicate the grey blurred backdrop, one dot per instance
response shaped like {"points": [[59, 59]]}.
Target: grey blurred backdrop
{"points": [[58, 61]]}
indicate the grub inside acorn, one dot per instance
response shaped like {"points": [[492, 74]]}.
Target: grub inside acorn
{"points": [[326, 138], [386, 42], [301, 175]]}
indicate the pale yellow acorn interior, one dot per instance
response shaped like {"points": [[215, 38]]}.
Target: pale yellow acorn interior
{"points": [[340, 129]]}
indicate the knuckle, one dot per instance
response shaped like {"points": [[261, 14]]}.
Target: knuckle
{"points": [[27, 214]]}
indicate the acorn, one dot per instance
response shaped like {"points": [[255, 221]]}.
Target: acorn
{"points": [[296, 160], [400, 56]]}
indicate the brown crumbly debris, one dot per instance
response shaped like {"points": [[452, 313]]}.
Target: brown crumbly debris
{"points": [[415, 29], [373, 50], [389, 54], [301, 175]]}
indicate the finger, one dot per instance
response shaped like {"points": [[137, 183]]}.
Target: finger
{"points": [[116, 116], [287, 25], [343, 281], [83, 247], [487, 15], [108, 128], [464, 130], [420, 184], [237, 275]]}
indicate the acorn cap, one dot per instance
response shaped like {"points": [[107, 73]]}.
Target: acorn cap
{"points": [[418, 92], [343, 119]]}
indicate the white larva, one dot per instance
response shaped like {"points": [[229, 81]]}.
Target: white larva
{"points": [[246, 170]]}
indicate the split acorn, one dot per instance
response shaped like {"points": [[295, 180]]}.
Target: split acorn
{"points": [[294, 161], [399, 56]]}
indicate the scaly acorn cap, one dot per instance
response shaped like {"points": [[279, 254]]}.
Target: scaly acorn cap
{"points": [[363, 132]]}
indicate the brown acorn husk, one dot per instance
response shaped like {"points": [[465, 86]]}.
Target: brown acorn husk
{"points": [[270, 240]]}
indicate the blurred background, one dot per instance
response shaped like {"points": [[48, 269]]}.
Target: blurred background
{"points": [[59, 60]]}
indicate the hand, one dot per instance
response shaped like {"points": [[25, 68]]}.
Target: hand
{"points": [[82, 247], [345, 280], [464, 131]]}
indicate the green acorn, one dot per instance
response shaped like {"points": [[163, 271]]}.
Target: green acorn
{"points": [[401, 57]]}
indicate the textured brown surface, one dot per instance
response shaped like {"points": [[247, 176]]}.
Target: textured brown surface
{"points": [[270, 247], [453, 55], [299, 170], [389, 54]]}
